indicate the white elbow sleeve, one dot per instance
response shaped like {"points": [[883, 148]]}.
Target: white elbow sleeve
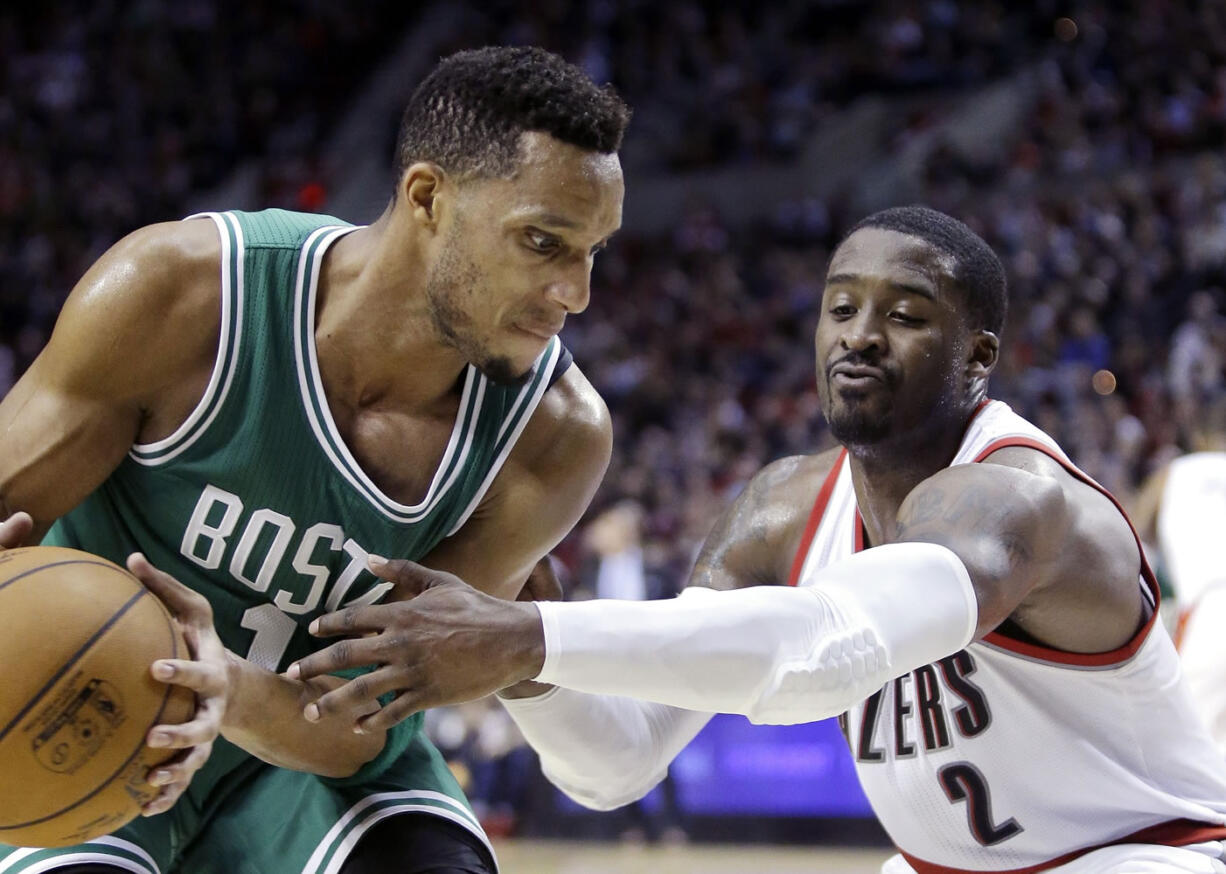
{"points": [[775, 654], [603, 751]]}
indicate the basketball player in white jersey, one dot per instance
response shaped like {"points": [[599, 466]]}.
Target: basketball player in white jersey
{"points": [[1010, 701], [1184, 505]]}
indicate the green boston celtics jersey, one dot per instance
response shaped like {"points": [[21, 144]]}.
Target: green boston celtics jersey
{"points": [[255, 501]]}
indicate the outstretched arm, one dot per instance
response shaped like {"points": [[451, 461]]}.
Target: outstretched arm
{"points": [[773, 653]]}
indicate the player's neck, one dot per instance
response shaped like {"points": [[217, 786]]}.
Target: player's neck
{"points": [[373, 325], [884, 473]]}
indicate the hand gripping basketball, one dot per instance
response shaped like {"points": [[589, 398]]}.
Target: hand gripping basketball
{"points": [[206, 673], [15, 529], [443, 643]]}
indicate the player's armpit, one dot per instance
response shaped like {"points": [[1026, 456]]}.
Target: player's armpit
{"points": [[541, 492], [1008, 526]]}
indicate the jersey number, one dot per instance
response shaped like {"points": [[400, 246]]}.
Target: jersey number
{"points": [[273, 630], [962, 781]]}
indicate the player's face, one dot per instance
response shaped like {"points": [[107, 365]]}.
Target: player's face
{"points": [[516, 258], [890, 341]]}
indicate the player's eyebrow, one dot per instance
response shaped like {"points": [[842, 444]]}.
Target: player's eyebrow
{"points": [[551, 218], [910, 288]]}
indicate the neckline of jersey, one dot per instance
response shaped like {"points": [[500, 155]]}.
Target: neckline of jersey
{"points": [[319, 414]]}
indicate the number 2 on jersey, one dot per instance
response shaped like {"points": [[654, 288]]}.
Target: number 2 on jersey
{"points": [[962, 781]]}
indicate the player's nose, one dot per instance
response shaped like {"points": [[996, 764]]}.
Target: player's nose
{"points": [[862, 333], [572, 293]]}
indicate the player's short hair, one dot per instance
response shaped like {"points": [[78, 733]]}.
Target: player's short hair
{"points": [[977, 271], [468, 114]]}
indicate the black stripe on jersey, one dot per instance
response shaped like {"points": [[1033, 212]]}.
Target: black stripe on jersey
{"points": [[973, 717], [865, 751], [929, 710], [902, 708]]}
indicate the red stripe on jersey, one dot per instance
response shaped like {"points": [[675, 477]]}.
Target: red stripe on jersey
{"points": [[815, 519], [823, 498], [1057, 656], [1176, 833]]}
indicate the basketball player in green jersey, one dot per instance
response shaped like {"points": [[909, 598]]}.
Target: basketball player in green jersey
{"points": [[258, 403]]}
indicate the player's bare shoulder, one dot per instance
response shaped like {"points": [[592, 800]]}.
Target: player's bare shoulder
{"points": [[1095, 520], [1073, 609], [571, 428], [754, 541], [142, 324]]}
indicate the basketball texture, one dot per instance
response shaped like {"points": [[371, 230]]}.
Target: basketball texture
{"points": [[77, 637]]}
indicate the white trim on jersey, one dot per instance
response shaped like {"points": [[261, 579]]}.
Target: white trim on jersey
{"points": [[523, 407], [81, 856], [324, 426], [164, 450], [450, 810]]}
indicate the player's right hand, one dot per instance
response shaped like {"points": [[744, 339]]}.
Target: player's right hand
{"points": [[15, 529], [207, 674]]}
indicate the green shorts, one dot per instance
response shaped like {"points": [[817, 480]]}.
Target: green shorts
{"points": [[248, 817]]}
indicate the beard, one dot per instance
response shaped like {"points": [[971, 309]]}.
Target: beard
{"points": [[854, 424], [452, 286]]}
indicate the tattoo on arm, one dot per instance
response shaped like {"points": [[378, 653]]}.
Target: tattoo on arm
{"points": [[935, 510], [741, 528]]}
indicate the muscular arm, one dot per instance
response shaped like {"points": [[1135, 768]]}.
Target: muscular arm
{"points": [[265, 719], [128, 360], [605, 751], [134, 340]]}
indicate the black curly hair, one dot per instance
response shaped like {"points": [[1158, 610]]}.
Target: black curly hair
{"points": [[468, 114], [977, 270]]}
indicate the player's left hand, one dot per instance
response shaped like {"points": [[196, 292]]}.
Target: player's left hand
{"points": [[444, 643], [207, 673]]}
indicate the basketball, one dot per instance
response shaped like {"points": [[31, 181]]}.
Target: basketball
{"points": [[77, 637]]}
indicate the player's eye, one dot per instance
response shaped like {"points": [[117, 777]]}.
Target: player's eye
{"points": [[539, 241]]}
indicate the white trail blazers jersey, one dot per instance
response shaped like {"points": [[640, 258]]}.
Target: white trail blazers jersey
{"points": [[1008, 756]]}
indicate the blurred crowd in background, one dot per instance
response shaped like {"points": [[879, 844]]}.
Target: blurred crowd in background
{"points": [[1108, 208]]}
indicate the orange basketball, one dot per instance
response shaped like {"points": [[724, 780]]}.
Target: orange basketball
{"points": [[77, 637]]}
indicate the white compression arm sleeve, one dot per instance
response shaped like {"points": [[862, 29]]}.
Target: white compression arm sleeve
{"points": [[773, 653], [601, 750]]}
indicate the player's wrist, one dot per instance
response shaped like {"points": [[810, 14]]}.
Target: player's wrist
{"points": [[237, 668], [530, 637], [524, 689]]}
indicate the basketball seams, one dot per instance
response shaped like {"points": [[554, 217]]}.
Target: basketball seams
{"points": [[71, 661], [42, 567]]}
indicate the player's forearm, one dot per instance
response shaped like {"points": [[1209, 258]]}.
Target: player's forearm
{"points": [[264, 717], [775, 654], [603, 751]]}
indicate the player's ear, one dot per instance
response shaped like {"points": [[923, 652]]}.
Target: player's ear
{"points": [[984, 353], [422, 186]]}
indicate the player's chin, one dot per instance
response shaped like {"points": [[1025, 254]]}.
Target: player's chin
{"points": [[508, 370], [859, 422]]}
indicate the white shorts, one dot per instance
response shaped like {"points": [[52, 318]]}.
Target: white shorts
{"points": [[1206, 858]]}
